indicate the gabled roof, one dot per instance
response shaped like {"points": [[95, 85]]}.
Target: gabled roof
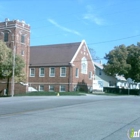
{"points": [[53, 55], [98, 65], [118, 77]]}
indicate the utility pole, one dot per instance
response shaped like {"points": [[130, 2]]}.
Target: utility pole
{"points": [[13, 73]]}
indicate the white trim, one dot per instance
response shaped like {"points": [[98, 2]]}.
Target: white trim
{"points": [[16, 26], [89, 54], [22, 38], [77, 51], [50, 72], [51, 90], [39, 87], [46, 83], [85, 62], [77, 70], [60, 88], [90, 74], [61, 71], [21, 27], [40, 72], [34, 72], [83, 42], [22, 52]]}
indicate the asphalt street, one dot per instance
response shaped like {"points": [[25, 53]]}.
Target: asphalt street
{"points": [[69, 117]]}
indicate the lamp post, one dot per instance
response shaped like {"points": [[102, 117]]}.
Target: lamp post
{"points": [[13, 73]]}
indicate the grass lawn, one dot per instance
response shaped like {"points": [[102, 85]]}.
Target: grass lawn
{"points": [[43, 93], [114, 94], [106, 94]]}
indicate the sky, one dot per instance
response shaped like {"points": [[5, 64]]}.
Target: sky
{"points": [[103, 24]]}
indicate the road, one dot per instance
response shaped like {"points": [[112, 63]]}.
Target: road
{"points": [[69, 117]]}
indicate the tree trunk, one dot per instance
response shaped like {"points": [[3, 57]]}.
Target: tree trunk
{"points": [[7, 88]]}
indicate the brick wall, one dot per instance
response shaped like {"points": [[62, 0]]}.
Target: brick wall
{"points": [[18, 88], [82, 78], [46, 86], [15, 29], [70, 81], [47, 80]]}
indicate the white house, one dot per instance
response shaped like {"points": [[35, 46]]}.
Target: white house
{"points": [[101, 79]]}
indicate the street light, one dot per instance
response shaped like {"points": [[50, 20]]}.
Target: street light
{"points": [[13, 73]]}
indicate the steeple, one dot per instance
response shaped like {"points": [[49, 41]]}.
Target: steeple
{"points": [[16, 34]]}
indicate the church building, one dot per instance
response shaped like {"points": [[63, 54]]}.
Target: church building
{"points": [[54, 68]]}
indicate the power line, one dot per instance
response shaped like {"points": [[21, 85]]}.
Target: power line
{"points": [[113, 40]]}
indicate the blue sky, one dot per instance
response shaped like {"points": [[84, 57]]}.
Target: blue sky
{"points": [[104, 24]]}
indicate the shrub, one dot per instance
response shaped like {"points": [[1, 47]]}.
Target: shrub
{"points": [[121, 91]]}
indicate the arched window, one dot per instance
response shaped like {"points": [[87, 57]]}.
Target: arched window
{"points": [[84, 65], [5, 36], [22, 38]]}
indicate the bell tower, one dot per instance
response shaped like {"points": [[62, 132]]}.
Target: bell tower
{"points": [[16, 35]]}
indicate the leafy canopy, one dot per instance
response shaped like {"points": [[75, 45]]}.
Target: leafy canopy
{"points": [[6, 63], [125, 61]]}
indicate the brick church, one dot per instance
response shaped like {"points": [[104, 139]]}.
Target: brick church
{"points": [[54, 68]]}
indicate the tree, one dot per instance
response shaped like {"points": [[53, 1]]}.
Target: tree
{"points": [[93, 54], [134, 60], [125, 61], [4, 51], [6, 65], [117, 61]]}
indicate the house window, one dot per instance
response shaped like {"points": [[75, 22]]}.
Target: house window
{"points": [[77, 72], [5, 36], [41, 87], [63, 72], [22, 53], [51, 88], [90, 75], [52, 72], [22, 39], [100, 72], [62, 88], [32, 72], [41, 72], [84, 65], [84, 48]]}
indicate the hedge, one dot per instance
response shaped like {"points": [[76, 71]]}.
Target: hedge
{"points": [[121, 91]]}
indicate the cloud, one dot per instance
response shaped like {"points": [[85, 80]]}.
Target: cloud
{"points": [[92, 15], [64, 28]]}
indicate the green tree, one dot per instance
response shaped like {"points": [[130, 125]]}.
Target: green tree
{"points": [[133, 59], [125, 61], [6, 65], [4, 52], [117, 61]]}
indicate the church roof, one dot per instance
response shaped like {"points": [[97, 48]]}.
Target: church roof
{"points": [[53, 55]]}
